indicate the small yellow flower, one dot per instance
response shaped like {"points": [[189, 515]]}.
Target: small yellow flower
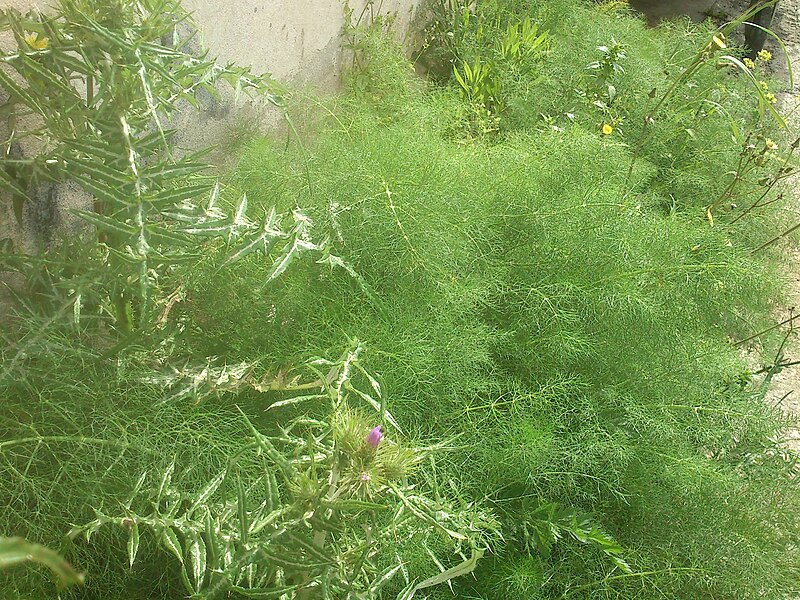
{"points": [[719, 40], [763, 85], [34, 41], [770, 97], [770, 144], [764, 55], [749, 63], [607, 129]]}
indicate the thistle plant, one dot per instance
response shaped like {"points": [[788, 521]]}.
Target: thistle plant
{"points": [[571, 332], [332, 511], [93, 88]]}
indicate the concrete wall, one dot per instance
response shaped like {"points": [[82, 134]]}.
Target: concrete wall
{"points": [[300, 42], [668, 9], [295, 40]]}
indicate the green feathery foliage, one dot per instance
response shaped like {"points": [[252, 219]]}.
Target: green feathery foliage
{"points": [[550, 310]]}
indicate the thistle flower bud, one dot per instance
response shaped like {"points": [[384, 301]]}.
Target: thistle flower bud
{"points": [[374, 437]]}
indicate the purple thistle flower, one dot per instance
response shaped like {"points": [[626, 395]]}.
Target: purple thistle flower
{"points": [[374, 437]]}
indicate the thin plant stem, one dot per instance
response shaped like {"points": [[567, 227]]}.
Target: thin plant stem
{"points": [[767, 330], [777, 238]]}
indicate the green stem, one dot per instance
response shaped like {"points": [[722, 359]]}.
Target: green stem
{"points": [[640, 574], [306, 592], [776, 238], [778, 176], [62, 438]]}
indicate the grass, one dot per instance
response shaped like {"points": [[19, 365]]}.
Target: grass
{"points": [[564, 327]]}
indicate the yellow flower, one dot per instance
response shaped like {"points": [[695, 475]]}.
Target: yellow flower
{"points": [[607, 129], [719, 40], [749, 63], [763, 85], [770, 144], [34, 41], [770, 97], [764, 55]]}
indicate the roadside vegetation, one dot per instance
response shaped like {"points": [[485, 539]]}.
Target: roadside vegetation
{"points": [[486, 333]]}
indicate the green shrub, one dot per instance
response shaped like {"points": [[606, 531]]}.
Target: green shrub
{"points": [[554, 310]]}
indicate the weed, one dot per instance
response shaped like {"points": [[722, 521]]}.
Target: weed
{"points": [[549, 324]]}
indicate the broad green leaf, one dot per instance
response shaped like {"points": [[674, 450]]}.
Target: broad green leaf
{"points": [[283, 559], [260, 522], [421, 514], [94, 149], [22, 94], [241, 504], [152, 143], [213, 539], [212, 198], [104, 173], [273, 492], [297, 400], [352, 505], [215, 228], [76, 309], [263, 241], [104, 192], [310, 548], [378, 582], [163, 172], [169, 197], [162, 236], [461, 569], [378, 406], [240, 218], [264, 594], [6, 178], [269, 450], [291, 250], [135, 491], [54, 83], [336, 261], [64, 59]]}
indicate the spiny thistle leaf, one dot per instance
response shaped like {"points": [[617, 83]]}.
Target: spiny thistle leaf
{"points": [[133, 542]]}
